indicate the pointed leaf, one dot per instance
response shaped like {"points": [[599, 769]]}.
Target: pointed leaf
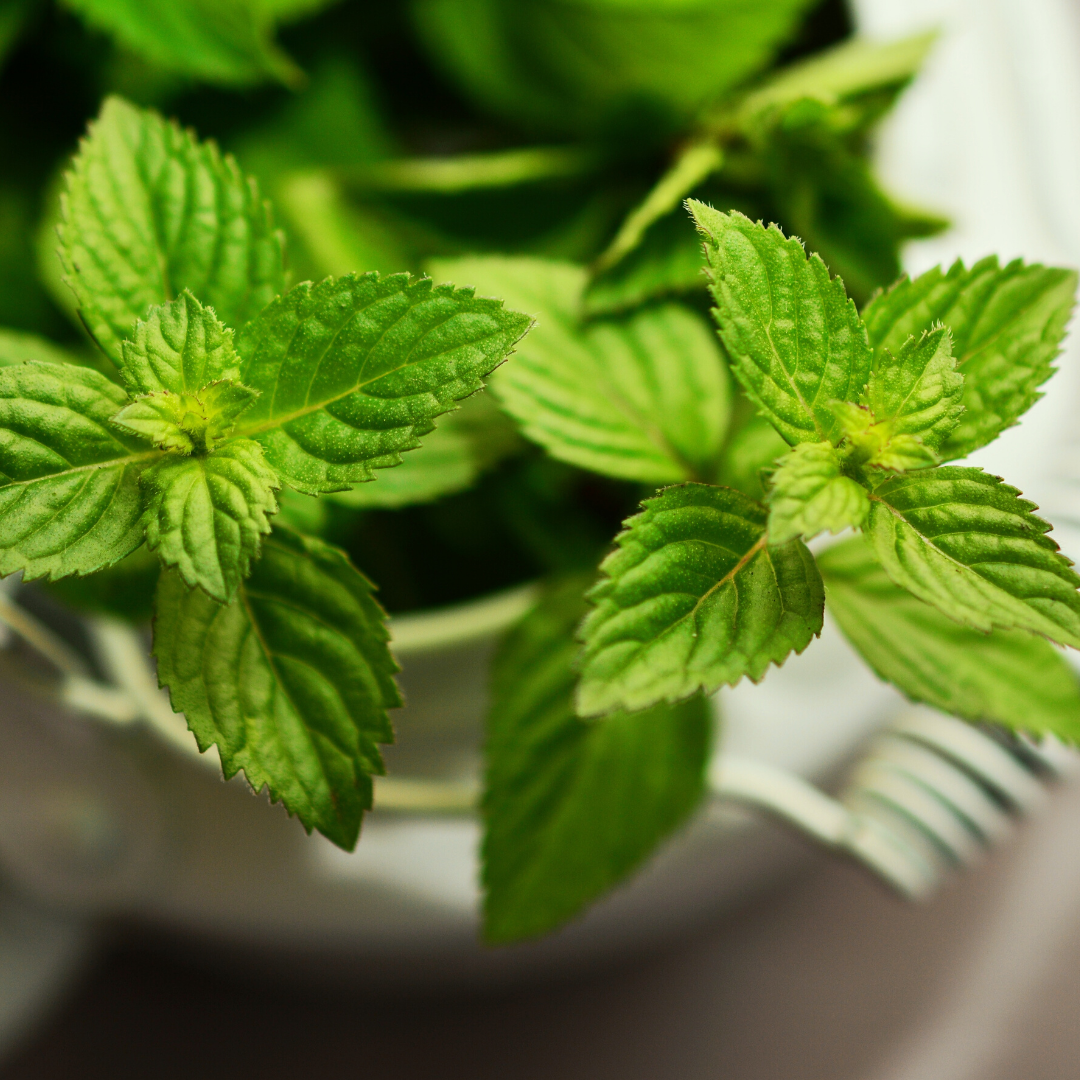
{"points": [[69, 495], [206, 515], [1007, 324], [795, 340], [811, 495], [694, 598], [572, 807], [353, 371], [148, 212], [180, 347], [291, 681], [643, 398], [965, 542], [1007, 676]]}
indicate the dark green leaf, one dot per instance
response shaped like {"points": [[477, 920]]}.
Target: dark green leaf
{"points": [[694, 598], [291, 681], [571, 807], [1007, 325], [795, 340], [69, 495], [965, 542], [353, 371], [148, 212], [1007, 676], [206, 515]]}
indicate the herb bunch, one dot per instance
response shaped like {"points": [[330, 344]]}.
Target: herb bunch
{"points": [[233, 438]]}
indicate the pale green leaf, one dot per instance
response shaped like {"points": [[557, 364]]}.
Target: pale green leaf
{"points": [[464, 444], [291, 681], [187, 422], [1007, 324], [852, 69], [963, 541], [220, 41], [917, 391], [206, 515], [694, 598], [795, 340], [148, 212], [1007, 676], [353, 371], [572, 807], [69, 495], [810, 495], [180, 346], [644, 398]]}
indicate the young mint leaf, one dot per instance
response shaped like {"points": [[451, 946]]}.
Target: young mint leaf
{"points": [[795, 340], [1007, 324], [572, 807], [1007, 676], [464, 444], [187, 422], [69, 494], [910, 406], [221, 41], [693, 598], [291, 681], [811, 495], [643, 398], [965, 542], [148, 212], [353, 371], [180, 347], [206, 515]]}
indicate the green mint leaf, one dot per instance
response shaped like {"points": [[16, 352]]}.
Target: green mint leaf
{"points": [[918, 391], [855, 68], [1007, 324], [571, 807], [69, 494], [911, 405], [291, 681], [643, 398], [465, 443], [148, 212], [694, 598], [810, 495], [206, 515], [1007, 676], [229, 42], [962, 540], [187, 422], [795, 340], [353, 371], [180, 346]]}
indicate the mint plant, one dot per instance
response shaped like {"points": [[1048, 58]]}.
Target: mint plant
{"points": [[286, 671], [209, 443], [953, 592]]}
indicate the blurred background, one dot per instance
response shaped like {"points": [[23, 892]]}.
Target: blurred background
{"points": [[391, 134]]}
